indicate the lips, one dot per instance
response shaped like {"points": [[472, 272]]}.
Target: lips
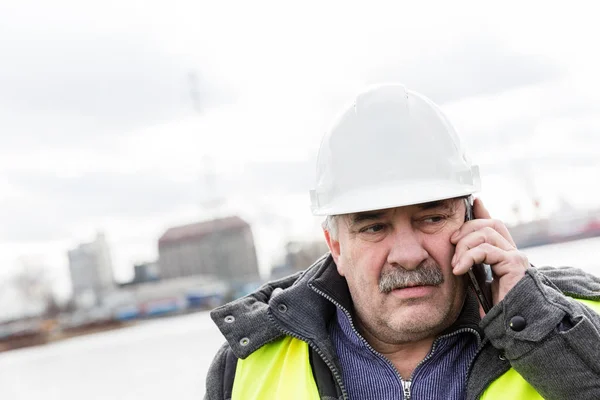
{"points": [[413, 292], [411, 285]]}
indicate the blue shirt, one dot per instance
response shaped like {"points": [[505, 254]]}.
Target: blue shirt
{"points": [[369, 375]]}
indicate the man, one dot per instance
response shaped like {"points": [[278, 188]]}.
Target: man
{"points": [[389, 312]]}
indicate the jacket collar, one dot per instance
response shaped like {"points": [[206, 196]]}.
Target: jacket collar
{"points": [[286, 306]]}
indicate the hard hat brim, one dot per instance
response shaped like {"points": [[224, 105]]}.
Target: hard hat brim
{"points": [[391, 196]]}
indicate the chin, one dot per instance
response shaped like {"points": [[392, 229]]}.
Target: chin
{"points": [[425, 315]]}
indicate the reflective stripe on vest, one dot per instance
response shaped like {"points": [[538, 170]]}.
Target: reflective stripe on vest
{"points": [[511, 385], [278, 370], [281, 370]]}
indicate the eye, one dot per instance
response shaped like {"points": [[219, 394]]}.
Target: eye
{"points": [[434, 219], [376, 228]]}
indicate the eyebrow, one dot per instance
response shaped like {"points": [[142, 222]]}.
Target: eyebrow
{"points": [[357, 218], [366, 216], [444, 204]]}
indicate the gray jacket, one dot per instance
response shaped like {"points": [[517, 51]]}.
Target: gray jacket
{"points": [[558, 351]]}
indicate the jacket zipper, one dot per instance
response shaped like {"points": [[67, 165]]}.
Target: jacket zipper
{"points": [[406, 388], [329, 364], [405, 384], [433, 348]]}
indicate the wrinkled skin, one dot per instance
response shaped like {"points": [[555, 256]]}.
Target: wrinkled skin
{"points": [[407, 238]]}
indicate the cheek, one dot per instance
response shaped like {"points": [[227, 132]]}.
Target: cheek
{"points": [[442, 252], [367, 261]]}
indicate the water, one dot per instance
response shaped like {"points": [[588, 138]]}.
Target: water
{"points": [[584, 254], [166, 358], [163, 359]]}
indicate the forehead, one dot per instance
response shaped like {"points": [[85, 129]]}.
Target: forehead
{"points": [[448, 205]]}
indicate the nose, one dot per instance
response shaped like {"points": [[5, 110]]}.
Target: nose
{"points": [[407, 250]]}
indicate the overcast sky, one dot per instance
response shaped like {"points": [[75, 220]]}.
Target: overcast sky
{"points": [[98, 129]]}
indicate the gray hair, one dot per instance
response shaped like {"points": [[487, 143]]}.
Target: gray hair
{"points": [[330, 225]]}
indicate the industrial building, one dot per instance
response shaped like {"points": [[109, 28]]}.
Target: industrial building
{"points": [[221, 248], [91, 272]]}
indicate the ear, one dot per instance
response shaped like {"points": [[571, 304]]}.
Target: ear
{"points": [[334, 248]]}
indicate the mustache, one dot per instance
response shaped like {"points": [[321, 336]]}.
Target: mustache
{"points": [[426, 273]]}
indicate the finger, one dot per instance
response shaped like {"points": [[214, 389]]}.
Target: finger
{"points": [[481, 236], [484, 253], [479, 210], [513, 261], [477, 224]]}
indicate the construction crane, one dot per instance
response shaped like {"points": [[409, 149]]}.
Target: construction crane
{"points": [[211, 200]]}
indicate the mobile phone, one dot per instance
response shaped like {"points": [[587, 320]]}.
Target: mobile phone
{"points": [[480, 275]]}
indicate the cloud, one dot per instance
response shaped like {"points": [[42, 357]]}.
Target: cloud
{"points": [[280, 176], [64, 89], [479, 64], [47, 207], [44, 206]]}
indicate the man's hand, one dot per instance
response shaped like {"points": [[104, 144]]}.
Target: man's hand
{"points": [[486, 240]]}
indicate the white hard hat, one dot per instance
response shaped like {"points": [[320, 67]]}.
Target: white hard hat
{"points": [[392, 147]]}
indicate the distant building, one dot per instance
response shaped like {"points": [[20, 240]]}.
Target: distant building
{"points": [[91, 271], [299, 256], [145, 272], [149, 298], [221, 248]]}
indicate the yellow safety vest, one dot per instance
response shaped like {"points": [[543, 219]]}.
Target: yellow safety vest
{"points": [[278, 370], [281, 370]]}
